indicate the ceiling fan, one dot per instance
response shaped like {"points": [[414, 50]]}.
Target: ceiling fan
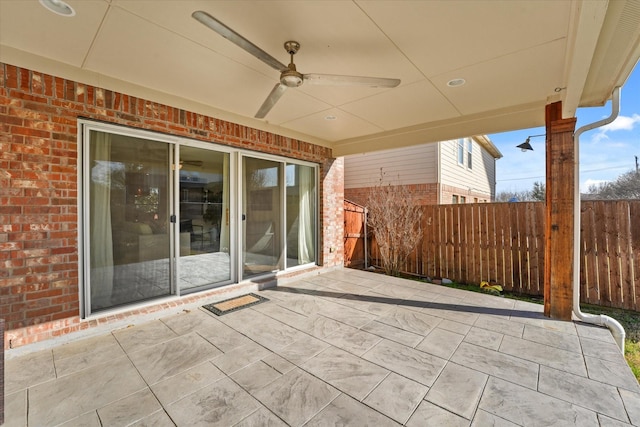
{"points": [[289, 76]]}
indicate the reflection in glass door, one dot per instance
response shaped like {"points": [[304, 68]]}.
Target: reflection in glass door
{"points": [[262, 216], [301, 215], [129, 193], [204, 218]]}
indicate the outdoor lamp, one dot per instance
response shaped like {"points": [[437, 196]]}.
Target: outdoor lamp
{"points": [[526, 146]]}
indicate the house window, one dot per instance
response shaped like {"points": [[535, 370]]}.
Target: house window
{"points": [[461, 149], [463, 199], [469, 153], [475, 200], [454, 199]]}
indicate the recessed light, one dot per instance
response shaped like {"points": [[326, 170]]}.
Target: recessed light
{"points": [[58, 7], [456, 82], [330, 117]]}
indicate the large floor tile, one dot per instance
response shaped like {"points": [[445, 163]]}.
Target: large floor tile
{"points": [[429, 414], [15, 409], [88, 419], [407, 395], [617, 374], [564, 341], [255, 376], [186, 382], [367, 302], [484, 338], [240, 357], [221, 335], [600, 333], [497, 364], [222, 403], [187, 321], [264, 330], [393, 333], [502, 326], [344, 314], [485, 419], [346, 372], [74, 394], [441, 343], [406, 361], [167, 359], [632, 405], [143, 336], [82, 354], [526, 407], [451, 310], [261, 418], [281, 314], [410, 320], [582, 391], [544, 355], [602, 349], [29, 370], [353, 340], [296, 397], [157, 419], [130, 409], [610, 422], [344, 411], [458, 389], [303, 349], [319, 326]]}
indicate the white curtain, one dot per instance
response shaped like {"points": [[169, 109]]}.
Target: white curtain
{"points": [[100, 236], [306, 247], [224, 222]]}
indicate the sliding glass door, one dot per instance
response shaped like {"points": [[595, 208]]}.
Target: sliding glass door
{"points": [[128, 219], [204, 218], [301, 215], [167, 216], [261, 215]]}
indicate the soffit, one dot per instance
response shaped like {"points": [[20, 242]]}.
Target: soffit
{"points": [[513, 56]]}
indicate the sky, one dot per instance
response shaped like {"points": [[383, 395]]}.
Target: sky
{"points": [[605, 153]]}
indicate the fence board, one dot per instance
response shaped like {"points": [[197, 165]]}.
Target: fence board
{"points": [[505, 242], [634, 220]]}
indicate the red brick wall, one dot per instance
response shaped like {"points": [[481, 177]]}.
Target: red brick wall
{"points": [[448, 191], [424, 194], [39, 173]]}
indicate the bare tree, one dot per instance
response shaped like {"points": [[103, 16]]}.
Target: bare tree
{"points": [[537, 193], [626, 186], [394, 217]]}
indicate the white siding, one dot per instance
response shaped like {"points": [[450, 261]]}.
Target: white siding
{"points": [[479, 179], [407, 165]]}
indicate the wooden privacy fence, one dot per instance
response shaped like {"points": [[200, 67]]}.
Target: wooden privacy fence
{"points": [[504, 243]]}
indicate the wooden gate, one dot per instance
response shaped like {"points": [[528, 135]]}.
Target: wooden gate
{"points": [[355, 251]]}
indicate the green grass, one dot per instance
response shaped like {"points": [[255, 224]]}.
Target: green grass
{"points": [[630, 321]]}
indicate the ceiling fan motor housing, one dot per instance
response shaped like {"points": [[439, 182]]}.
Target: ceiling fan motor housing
{"points": [[291, 77]]}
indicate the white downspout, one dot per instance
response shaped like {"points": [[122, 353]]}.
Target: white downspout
{"points": [[614, 326]]}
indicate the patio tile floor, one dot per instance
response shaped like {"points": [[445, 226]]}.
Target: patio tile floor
{"points": [[345, 347]]}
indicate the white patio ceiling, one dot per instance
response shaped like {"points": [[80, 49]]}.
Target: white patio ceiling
{"points": [[516, 56]]}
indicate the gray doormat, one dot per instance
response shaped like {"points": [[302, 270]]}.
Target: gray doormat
{"points": [[234, 304]]}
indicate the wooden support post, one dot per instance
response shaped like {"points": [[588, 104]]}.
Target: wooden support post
{"points": [[560, 187]]}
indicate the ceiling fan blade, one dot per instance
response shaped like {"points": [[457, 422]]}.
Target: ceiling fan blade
{"points": [[271, 100], [232, 36], [335, 80]]}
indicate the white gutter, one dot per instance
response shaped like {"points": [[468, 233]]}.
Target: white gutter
{"points": [[614, 326]]}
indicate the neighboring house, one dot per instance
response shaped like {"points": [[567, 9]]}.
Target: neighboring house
{"points": [[456, 171]]}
